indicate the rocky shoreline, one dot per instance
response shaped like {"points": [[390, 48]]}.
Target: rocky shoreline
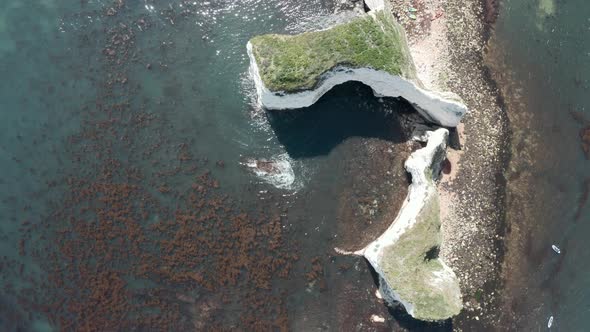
{"points": [[448, 42]]}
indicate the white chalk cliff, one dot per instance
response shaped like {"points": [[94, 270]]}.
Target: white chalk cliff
{"points": [[444, 109], [375, 4]]}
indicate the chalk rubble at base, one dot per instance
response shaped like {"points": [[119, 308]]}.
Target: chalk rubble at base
{"points": [[443, 108], [426, 286]]}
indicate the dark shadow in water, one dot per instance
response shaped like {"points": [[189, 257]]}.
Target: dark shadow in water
{"points": [[408, 322], [347, 110]]}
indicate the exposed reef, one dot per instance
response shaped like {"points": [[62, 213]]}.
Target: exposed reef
{"points": [[295, 71], [406, 255]]}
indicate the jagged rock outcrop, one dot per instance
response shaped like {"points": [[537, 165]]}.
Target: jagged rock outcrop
{"points": [[295, 71], [406, 255]]}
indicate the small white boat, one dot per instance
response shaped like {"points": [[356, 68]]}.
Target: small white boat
{"points": [[550, 322], [556, 249]]}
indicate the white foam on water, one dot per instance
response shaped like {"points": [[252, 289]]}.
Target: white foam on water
{"points": [[278, 171]]}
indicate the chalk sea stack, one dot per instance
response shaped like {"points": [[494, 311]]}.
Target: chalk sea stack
{"points": [[406, 255], [294, 71]]}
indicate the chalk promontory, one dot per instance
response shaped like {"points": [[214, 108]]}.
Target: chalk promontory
{"points": [[294, 71]]}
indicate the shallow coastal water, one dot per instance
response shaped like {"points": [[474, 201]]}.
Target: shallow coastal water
{"points": [[127, 202], [541, 55]]}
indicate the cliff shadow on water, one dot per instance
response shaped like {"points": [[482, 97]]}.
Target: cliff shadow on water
{"points": [[348, 110]]}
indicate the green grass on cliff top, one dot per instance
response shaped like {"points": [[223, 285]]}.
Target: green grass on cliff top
{"points": [[410, 272], [292, 63]]}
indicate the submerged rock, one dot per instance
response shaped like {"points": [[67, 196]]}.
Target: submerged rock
{"points": [[276, 171], [406, 255], [295, 71]]}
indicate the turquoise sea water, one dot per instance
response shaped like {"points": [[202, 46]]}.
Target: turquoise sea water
{"points": [[126, 202], [547, 48]]}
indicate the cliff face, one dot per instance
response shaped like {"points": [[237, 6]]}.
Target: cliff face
{"points": [[406, 255], [295, 71]]}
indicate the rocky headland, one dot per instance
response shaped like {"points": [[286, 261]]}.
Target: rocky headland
{"points": [[295, 71]]}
